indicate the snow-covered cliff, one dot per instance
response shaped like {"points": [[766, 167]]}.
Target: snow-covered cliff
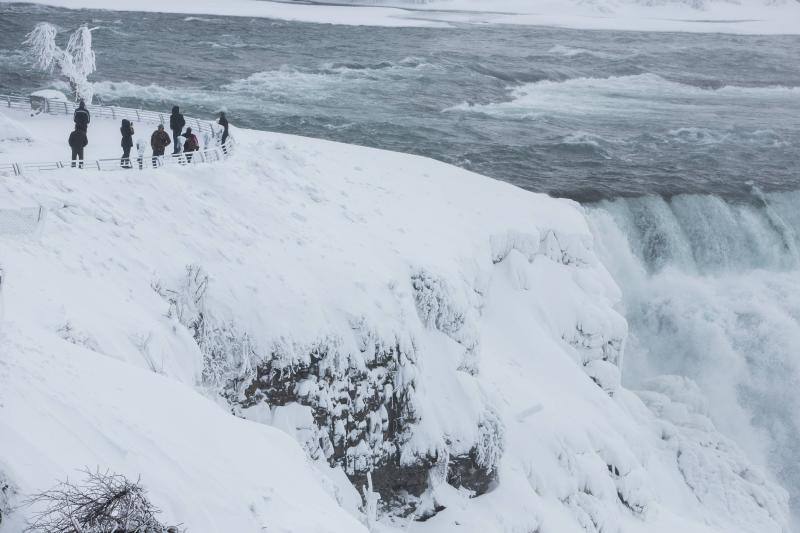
{"points": [[254, 337]]}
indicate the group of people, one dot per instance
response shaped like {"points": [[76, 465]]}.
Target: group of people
{"points": [[159, 140]]}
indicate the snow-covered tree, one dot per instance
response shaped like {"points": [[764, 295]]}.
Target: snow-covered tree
{"points": [[76, 62]]}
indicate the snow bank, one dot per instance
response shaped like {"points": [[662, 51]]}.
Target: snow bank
{"points": [[711, 16], [453, 335]]}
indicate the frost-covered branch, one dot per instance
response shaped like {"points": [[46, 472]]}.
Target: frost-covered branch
{"points": [[76, 62], [103, 502], [43, 48]]}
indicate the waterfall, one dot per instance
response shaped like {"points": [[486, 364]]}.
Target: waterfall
{"points": [[711, 290]]}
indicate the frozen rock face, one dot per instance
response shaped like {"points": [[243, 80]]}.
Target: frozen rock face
{"points": [[360, 401], [357, 410]]}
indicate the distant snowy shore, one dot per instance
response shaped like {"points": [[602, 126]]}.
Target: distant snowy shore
{"points": [[712, 16]]}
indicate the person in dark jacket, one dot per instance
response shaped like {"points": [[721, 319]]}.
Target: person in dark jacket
{"points": [[82, 117], [224, 123], [127, 143], [191, 144], [159, 142], [176, 124], [77, 141]]}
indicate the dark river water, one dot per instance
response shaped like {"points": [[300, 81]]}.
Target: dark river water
{"points": [[583, 114]]}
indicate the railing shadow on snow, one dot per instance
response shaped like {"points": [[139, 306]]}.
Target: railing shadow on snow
{"points": [[217, 152]]}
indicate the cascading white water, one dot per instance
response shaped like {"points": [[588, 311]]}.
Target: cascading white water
{"points": [[711, 289]]}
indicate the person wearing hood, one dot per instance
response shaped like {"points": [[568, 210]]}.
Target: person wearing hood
{"points": [[77, 141], [223, 121], [190, 145], [176, 124], [159, 142], [127, 142], [82, 117]]}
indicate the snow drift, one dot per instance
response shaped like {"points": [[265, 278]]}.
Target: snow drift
{"points": [[451, 337]]}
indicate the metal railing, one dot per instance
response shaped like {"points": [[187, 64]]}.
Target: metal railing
{"points": [[217, 152], [135, 162], [63, 107]]}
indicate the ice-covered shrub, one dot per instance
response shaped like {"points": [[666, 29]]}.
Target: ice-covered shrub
{"points": [[441, 308], [228, 353], [103, 502], [75, 62]]}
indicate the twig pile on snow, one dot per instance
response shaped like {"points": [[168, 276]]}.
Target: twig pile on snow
{"points": [[103, 503]]}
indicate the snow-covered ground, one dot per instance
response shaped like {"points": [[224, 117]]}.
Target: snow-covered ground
{"points": [[145, 297], [744, 16]]}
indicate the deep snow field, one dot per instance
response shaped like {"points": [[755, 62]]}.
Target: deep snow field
{"points": [[494, 298], [723, 16]]}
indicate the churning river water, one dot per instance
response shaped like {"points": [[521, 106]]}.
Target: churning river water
{"points": [[684, 148], [583, 114]]}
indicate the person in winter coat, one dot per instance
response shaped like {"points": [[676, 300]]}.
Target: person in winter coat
{"points": [[176, 124], [191, 144], [159, 142], [223, 121], [127, 143], [81, 117], [77, 141]]}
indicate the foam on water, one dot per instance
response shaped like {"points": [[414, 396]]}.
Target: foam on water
{"points": [[641, 93]]}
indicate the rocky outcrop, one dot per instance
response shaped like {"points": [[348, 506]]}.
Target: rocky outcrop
{"points": [[355, 409]]}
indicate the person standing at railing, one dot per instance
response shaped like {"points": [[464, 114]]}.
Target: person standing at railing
{"points": [[159, 142], [176, 124], [82, 117], [127, 143], [77, 141], [223, 121], [191, 144]]}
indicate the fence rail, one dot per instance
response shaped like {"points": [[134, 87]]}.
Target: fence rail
{"points": [[63, 107], [217, 152]]}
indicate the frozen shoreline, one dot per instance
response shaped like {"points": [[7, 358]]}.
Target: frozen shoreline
{"points": [[751, 17]]}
